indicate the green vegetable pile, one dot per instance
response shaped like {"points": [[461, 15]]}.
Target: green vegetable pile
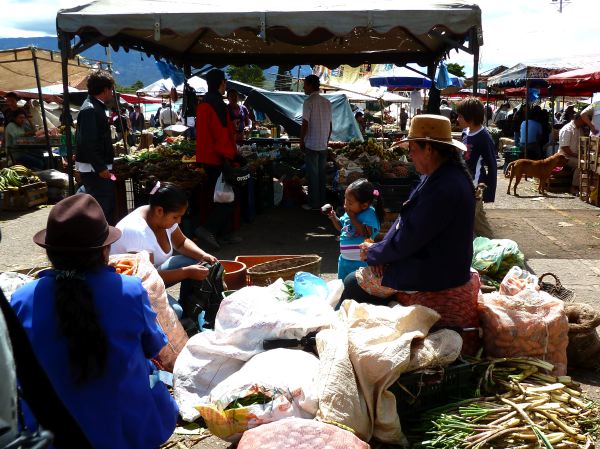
{"points": [[16, 176], [530, 409]]}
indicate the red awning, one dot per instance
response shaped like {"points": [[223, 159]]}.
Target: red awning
{"points": [[134, 99], [581, 82]]}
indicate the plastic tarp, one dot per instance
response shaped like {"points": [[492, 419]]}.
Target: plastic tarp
{"points": [[285, 108], [272, 32]]}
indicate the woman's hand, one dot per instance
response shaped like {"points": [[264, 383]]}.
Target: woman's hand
{"points": [[364, 249], [378, 270], [196, 272], [209, 258]]}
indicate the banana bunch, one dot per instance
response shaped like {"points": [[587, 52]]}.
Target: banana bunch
{"points": [[16, 176]]}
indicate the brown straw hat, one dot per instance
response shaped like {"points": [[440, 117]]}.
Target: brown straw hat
{"points": [[432, 128], [77, 223]]}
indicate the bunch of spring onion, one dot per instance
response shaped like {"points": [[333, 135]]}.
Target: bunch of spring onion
{"points": [[530, 409]]}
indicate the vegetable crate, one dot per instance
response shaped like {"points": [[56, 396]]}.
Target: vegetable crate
{"points": [[25, 197], [423, 390]]}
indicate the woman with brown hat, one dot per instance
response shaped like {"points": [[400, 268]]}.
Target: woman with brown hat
{"points": [[94, 332], [426, 255]]}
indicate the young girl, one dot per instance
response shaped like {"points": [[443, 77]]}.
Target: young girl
{"points": [[360, 222]]}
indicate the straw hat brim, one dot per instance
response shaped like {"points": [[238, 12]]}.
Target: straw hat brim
{"points": [[452, 142]]}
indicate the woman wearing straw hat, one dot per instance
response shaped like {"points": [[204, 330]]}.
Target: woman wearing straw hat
{"points": [[426, 255], [94, 332]]}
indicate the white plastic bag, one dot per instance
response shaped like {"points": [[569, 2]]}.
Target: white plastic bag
{"points": [[223, 191], [517, 280], [245, 319], [285, 376]]}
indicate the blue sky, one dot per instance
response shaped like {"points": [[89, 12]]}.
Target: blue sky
{"points": [[513, 30]]}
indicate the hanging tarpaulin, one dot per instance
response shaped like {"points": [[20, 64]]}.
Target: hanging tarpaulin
{"points": [[442, 79], [534, 95], [170, 71]]}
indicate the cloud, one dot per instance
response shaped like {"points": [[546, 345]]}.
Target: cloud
{"points": [[31, 18], [525, 32]]}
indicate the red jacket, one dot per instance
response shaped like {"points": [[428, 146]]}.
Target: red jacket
{"points": [[214, 143]]}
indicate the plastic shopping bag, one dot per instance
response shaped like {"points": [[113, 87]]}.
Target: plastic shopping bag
{"points": [[517, 280], [223, 191], [496, 257]]}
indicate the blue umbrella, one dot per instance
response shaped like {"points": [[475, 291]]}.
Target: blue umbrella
{"points": [[402, 78]]}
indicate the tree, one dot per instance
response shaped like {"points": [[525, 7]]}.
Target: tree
{"points": [[249, 74], [456, 69], [137, 85]]}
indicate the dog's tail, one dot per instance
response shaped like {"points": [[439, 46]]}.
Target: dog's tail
{"points": [[509, 169]]}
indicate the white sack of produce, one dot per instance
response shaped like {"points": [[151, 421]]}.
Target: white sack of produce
{"points": [[245, 319], [271, 386], [528, 324], [300, 433], [374, 342], [165, 316], [438, 349]]}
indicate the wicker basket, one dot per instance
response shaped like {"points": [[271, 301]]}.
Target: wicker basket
{"points": [[557, 290], [268, 272]]}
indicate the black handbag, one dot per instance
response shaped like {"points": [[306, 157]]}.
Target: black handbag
{"points": [[206, 296], [236, 174]]}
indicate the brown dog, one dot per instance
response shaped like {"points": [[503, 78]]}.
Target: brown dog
{"points": [[535, 169]]}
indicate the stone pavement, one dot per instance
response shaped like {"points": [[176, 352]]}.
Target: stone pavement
{"points": [[558, 233]]}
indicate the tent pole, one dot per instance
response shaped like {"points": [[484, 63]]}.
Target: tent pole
{"points": [[433, 103], [475, 64], [526, 117], [42, 108], [66, 118]]}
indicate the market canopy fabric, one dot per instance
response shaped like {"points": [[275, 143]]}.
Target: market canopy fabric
{"points": [[285, 108], [17, 71], [518, 75], [198, 32], [580, 82], [162, 87]]}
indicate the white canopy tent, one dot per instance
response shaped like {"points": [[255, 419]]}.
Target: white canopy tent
{"points": [[162, 87]]}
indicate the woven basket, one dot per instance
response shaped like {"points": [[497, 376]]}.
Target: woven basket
{"points": [[266, 273], [557, 290]]}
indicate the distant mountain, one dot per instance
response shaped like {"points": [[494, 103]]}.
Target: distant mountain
{"points": [[128, 67]]}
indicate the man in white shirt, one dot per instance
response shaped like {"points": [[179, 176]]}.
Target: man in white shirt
{"points": [[167, 116], [591, 117], [568, 143], [314, 137]]}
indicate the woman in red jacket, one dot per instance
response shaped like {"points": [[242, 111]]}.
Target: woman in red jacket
{"points": [[215, 143]]}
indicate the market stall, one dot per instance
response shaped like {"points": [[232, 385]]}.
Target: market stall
{"points": [[237, 377]]}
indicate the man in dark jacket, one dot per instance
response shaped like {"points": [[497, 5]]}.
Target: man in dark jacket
{"points": [[94, 153]]}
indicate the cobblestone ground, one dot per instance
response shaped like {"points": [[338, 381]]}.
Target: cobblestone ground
{"points": [[558, 233]]}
